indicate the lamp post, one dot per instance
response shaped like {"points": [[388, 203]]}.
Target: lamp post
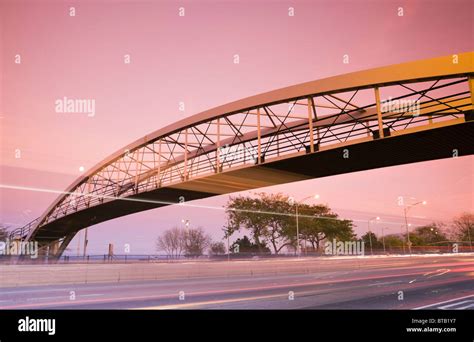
{"points": [[86, 241], [227, 234], [297, 221], [405, 211], [370, 233], [186, 224]]}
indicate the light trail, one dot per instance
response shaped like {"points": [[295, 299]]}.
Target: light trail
{"points": [[58, 192]]}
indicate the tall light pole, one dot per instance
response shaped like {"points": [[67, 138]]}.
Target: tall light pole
{"points": [[86, 241], [297, 221], [186, 223], [370, 233], [227, 234], [405, 211], [79, 244]]}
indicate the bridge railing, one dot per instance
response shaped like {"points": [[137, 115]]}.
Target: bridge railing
{"points": [[269, 132], [22, 232]]}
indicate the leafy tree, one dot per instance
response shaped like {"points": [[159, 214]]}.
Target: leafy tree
{"points": [[3, 232], [271, 218], [394, 240], [428, 235], [318, 223], [278, 230], [217, 248], [462, 228], [266, 217], [244, 212], [371, 237], [245, 246]]}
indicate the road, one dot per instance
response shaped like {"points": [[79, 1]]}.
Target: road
{"points": [[431, 282]]}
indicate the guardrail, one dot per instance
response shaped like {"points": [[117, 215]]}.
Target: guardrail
{"points": [[22, 232]]}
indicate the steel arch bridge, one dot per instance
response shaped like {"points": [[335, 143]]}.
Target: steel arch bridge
{"points": [[392, 115]]}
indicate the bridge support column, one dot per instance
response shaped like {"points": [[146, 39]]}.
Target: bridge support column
{"points": [[53, 248], [62, 246]]}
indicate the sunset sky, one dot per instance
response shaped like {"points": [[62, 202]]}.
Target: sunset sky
{"points": [[190, 59]]}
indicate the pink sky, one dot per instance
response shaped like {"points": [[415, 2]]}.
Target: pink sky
{"points": [[190, 59]]}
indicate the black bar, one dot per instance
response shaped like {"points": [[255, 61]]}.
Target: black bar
{"points": [[299, 325]]}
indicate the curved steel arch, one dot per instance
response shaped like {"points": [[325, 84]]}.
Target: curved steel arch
{"points": [[243, 144]]}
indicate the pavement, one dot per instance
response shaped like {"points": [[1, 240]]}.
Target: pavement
{"points": [[442, 282]]}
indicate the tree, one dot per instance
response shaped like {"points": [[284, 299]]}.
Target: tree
{"points": [[172, 241], [248, 213], [196, 242], [394, 240], [279, 223], [428, 235], [271, 218], [217, 248], [462, 228], [3, 232], [245, 246], [268, 217], [369, 238], [318, 223]]}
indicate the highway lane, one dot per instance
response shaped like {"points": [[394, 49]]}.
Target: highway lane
{"points": [[377, 283]]}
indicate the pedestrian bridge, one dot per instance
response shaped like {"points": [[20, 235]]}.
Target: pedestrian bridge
{"points": [[387, 116]]}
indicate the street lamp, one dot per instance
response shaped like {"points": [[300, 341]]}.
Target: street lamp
{"points": [[227, 232], [408, 236], [370, 233], [405, 211], [316, 196], [186, 224], [186, 231]]}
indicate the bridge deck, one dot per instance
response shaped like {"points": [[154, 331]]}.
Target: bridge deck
{"points": [[426, 145]]}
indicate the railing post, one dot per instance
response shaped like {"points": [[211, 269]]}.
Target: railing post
{"points": [[259, 136], [159, 164], [137, 172], [471, 88], [218, 146], [186, 154], [379, 111], [310, 124], [89, 187]]}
